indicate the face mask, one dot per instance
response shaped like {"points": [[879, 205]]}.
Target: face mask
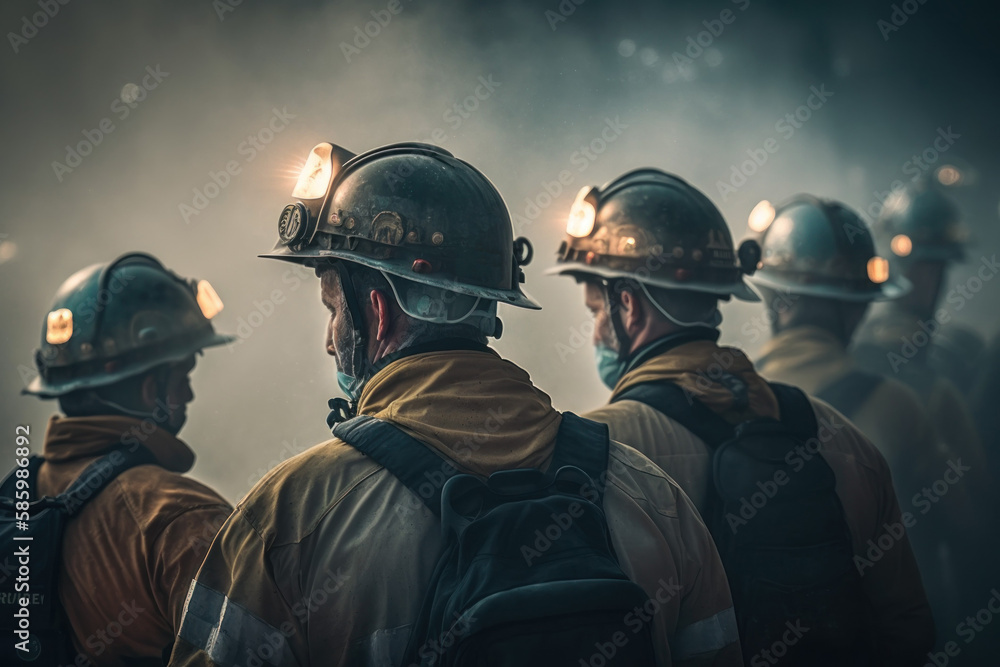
{"points": [[609, 367], [350, 385]]}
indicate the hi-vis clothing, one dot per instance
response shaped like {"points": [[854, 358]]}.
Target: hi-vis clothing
{"points": [[724, 380], [129, 556], [327, 560]]}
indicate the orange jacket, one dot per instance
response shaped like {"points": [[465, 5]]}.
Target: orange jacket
{"points": [[326, 561], [130, 554], [904, 627]]}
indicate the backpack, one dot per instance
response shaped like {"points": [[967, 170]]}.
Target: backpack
{"points": [[32, 620], [528, 575], [780, 530]]}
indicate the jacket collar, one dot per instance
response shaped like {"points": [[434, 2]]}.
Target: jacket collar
{"points": [[71, 438], [474, 407]]}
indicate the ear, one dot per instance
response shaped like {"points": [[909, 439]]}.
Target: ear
{"points": [[633, 312], [383, 314], [149, 391]]}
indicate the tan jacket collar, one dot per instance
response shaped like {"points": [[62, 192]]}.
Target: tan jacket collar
{"points": [[69, 438], [474, 407], [697, 367]]}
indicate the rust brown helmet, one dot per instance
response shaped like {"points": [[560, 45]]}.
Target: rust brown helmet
{"points": [[657, 229]]}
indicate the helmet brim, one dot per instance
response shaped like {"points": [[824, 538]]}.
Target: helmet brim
{"points": [[42, 389], [739, 289], [314, 256], [890, 290]]}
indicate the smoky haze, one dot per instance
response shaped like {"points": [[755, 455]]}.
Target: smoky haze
{"points": [[548, 87]]}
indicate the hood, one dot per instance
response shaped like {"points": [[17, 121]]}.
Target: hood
{"points": [[702, 368], [474, 407], [69, 438]]}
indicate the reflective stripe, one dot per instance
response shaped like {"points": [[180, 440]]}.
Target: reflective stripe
{"points": [[230, 633], [711, 634]]}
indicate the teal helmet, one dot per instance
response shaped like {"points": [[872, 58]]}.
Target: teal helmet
{"points": [[431, 223], [921, 222], [819, 247], [116, 320], [657, 229]]}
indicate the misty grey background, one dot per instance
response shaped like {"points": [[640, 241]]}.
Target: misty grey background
{"points": [[264, 399]]}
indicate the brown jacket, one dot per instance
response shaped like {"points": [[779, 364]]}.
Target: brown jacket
{"points": [[130, 555], [903, 623], [326, 561]]}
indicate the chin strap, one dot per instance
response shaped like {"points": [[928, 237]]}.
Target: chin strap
{"points": [[612, 290]]}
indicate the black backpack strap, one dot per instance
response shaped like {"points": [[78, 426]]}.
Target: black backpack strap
{"points": [[584, 444], [96, 476], [849, 392], [796, 410], [688, 411], [8, 488], [412, 462]]}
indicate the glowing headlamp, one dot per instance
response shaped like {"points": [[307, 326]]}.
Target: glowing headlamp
{"points": [[59, 326], [761, 216], [316, 175], [878, 270], [208, 300], [901, 245], [581, 215]]}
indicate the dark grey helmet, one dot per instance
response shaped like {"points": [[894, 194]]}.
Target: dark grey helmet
{"points": [[921, 222], [653, 227], [112, 321], [820, 247], [413, 211]]}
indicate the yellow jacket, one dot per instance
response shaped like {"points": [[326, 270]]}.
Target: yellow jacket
{"points": [[130, 554], [327, 560], [903, 625]]}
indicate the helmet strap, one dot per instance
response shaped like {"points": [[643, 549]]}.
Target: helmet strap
{"points": [[613, 301], [359, 335]]}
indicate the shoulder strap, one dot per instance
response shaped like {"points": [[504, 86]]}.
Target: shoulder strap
{"points": [[683, 408], [795, 409], [96, 476], [584, 444], [412, 462], [849, 392], [8, 486]]}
